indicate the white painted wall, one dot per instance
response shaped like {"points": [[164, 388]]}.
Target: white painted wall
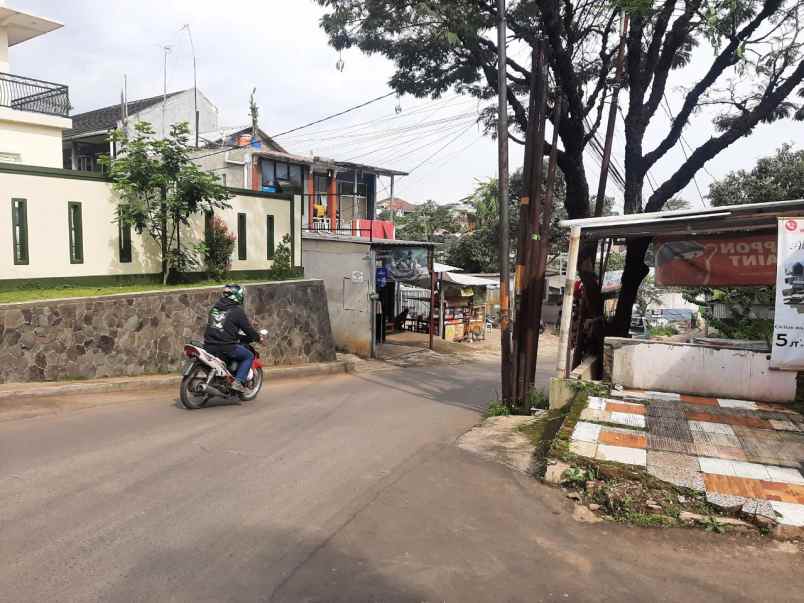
{"points": [[179, 108], [35, 137], [699, 370], [47, 199], [350, 307]]}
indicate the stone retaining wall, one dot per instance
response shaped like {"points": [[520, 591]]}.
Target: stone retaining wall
{"points": [[144, 333]]}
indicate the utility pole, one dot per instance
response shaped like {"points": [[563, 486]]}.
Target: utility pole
{"points": [[505, 244], [525, 332], [615, 94], [166, 50], [195, 82]]}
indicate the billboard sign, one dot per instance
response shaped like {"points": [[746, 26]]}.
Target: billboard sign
{"points": [[723, 261], [787, 349]]}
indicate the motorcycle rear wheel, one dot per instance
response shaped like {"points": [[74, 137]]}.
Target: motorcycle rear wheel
{"points": [[253, 387], [189, 393]]}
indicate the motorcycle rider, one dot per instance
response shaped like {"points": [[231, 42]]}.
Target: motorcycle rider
{"points": [[222, 336]]}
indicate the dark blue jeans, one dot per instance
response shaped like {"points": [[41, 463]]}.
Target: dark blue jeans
{"points": [[244, 359]]}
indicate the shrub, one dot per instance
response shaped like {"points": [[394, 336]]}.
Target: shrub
{"points": [[283, 260], [218, 248]]}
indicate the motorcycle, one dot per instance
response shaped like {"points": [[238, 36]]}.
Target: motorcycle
{"points": [[206, 375]]}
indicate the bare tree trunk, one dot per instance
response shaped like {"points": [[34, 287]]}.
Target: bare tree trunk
{"points": [[634, 273], [164, 237]]}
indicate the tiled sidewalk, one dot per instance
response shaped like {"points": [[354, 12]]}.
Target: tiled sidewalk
{"points": [[739, 452]]}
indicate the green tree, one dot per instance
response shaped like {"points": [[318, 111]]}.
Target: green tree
{"points": [[161, 188], [429, 222], [777, 177], [753, 68]]}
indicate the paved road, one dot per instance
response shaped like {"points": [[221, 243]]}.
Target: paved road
{"points": [[335, 489]]}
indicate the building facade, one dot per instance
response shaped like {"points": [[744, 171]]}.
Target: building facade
{"points": [[33, 113]]}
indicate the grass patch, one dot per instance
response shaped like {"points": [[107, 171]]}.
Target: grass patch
{"points": [[663, 331], [497, 409], [58, 292]]}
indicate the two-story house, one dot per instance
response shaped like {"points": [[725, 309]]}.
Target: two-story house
{"points": [[33, 113]]}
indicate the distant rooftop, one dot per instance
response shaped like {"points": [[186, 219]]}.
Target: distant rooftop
{"points": [[106, 118]]}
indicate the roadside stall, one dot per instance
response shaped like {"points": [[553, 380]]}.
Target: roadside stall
{"points": [[731, 246], [463, 306]]}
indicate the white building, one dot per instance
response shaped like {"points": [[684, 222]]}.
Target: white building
{"points": [[33, 113], [62, 228], [88, 139]]}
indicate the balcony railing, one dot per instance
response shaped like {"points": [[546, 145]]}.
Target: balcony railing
{"points": [[26, 94]]}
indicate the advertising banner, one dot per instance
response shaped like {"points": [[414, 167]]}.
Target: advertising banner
{"points": [[787, 349], [725, 261], [405, 264]]}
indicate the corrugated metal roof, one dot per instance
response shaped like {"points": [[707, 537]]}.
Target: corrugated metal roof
{"points": [[106, 118], [745, 217]]}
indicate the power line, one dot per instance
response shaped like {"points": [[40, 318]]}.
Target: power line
{"points": [[671, 117], [334, 115], [318, 121]]}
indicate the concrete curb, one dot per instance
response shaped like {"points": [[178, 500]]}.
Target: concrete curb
{"points": [[19, 391]]}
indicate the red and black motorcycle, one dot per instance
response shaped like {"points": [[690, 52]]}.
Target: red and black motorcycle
{"points": [[206, 375]]}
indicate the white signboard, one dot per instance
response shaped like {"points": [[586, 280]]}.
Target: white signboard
{"points": [[787, 350]]}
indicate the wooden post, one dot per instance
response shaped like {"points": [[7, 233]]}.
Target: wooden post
{"points": [[526, 341], [432, 298], [506, 360], [606, 159], [562, 366]]}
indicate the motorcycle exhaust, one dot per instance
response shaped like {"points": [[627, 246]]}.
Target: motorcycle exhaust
{"points": [[209, 389]]}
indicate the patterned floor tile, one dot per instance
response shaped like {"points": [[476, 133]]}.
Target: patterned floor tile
{"points": [[594, 415], [595, 403], [621, 454], [789, 513], [783, 425], [714, 428], [624, 418], [716, 466], [777, 491], [670, 435], [735, 486], [757, 506], [587, 449], [626, 407], [678, 469], [586, 432], [718, 445], [669, 411], [728, 501], [628, 440], [768, 447], [751, 470], [785, 475], [744, 404], [698, 400]]}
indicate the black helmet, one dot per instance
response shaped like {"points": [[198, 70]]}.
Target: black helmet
{"points": [[236, 293]]}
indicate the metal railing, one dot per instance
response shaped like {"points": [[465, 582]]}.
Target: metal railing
{"points": [[363, 229], [37, 96]]}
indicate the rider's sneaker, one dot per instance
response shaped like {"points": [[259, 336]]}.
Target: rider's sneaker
{"points": [[237, 386]]}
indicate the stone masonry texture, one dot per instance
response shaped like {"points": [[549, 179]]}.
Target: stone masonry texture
{"points": [[136, 334]]}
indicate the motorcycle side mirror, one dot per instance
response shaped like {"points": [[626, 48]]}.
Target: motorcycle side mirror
{"points": [[263, 332]]}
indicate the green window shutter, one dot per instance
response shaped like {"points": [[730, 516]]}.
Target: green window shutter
{"points": [[124, 237], [241, 237], [19, 227], [76, 233], [208, 217], [269, 231]]}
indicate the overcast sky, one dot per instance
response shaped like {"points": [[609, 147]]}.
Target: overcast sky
{"points": [[277, 46]]}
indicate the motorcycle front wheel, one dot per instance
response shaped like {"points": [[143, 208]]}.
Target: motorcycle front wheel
{"points": [[253, 386], [190, 390]]}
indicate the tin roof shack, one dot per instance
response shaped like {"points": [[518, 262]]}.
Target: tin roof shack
{"points": [[722, 246], [361, 278]]}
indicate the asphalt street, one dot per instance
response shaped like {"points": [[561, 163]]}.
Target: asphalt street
{"points": [[338, 488]]}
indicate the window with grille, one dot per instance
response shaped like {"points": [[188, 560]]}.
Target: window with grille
{"points": [[19, 227]]}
